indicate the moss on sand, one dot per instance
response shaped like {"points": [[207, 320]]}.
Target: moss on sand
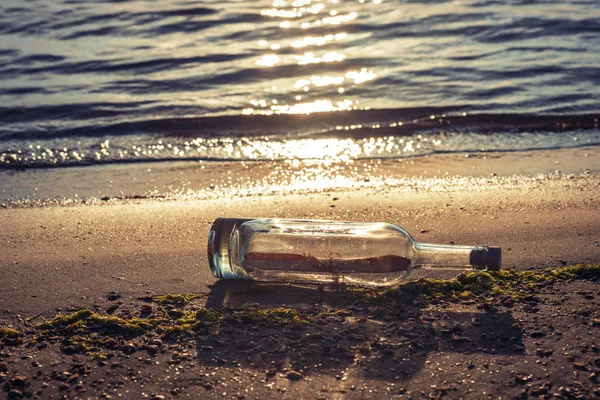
{"points": [[8, 332], [87, 331], [504, 282], [176, 299], [86, 320]]}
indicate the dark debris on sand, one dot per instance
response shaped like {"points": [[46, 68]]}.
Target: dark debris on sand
{"points": [[528, 334]]}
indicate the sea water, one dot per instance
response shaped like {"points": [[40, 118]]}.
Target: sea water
{"points": [[105, 84]]}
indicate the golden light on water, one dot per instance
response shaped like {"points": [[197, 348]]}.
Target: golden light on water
{"points": [[274, 12], [304, 21], [320, 81], [318, 40], [268, 60], [339, 19], [322, 149], [361, 76], [313, 107], [355, 77], [285, 166], [315, 9], [310, 58], [314, 176], [300, 3]]}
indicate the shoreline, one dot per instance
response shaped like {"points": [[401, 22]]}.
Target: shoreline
{"points": [[184, 180]]}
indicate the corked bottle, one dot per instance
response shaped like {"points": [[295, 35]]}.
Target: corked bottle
{"points": [[312, 251]]}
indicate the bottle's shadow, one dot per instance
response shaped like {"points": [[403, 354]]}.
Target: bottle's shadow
{"points": [[314, 330]]}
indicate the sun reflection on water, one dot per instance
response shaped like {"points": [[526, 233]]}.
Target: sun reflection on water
{"points": [[239, 149], [339, 19], [305, 20], [313, 107], [318, 40], [309, 58], [326, 149], [323, 149], [268, 60]]}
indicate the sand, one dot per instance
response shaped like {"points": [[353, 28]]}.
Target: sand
{"points": [[59, 256], [54, 259]]}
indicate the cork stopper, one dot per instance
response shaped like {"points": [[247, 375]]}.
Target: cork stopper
{"points": [[494, 258], [486, 257]]}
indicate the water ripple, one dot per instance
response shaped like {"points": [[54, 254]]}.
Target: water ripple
{"points": [[75, 69]]}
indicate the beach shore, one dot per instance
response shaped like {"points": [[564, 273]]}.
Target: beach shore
{"points": [[70, 255], [62, 258]]}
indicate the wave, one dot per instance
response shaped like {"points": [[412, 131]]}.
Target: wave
{"points": [[344, 135], [82, 83], [397, 122]]}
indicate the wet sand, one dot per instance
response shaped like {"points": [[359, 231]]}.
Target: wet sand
{"points": [[58, 258], [185, 180]]}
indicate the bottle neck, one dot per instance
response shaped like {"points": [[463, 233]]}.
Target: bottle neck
{"points": [[449, 256]]}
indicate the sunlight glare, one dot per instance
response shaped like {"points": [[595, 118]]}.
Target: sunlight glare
{"points": [[313, 107]]}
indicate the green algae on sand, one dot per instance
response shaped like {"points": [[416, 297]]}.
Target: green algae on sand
{"points": [[175, 315], [8, 332], [504, 282], [85, 320], [176, 299]]}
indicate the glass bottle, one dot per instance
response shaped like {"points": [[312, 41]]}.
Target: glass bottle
{"points": [[332, 252]]}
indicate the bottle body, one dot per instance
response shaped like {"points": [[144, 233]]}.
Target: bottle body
{"points": [[356, 253]]}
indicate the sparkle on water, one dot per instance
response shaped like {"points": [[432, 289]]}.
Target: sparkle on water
{"points": [[242, 149], [298, 164], [264, 148], [306, 14], [200, 181]]}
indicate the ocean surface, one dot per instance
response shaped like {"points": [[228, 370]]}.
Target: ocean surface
{"points": [[103, 83]]}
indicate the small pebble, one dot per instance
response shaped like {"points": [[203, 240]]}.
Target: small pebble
{"points": [[15, 394], [294, 375], [146, 309], [579, 364], [114, 295]]}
